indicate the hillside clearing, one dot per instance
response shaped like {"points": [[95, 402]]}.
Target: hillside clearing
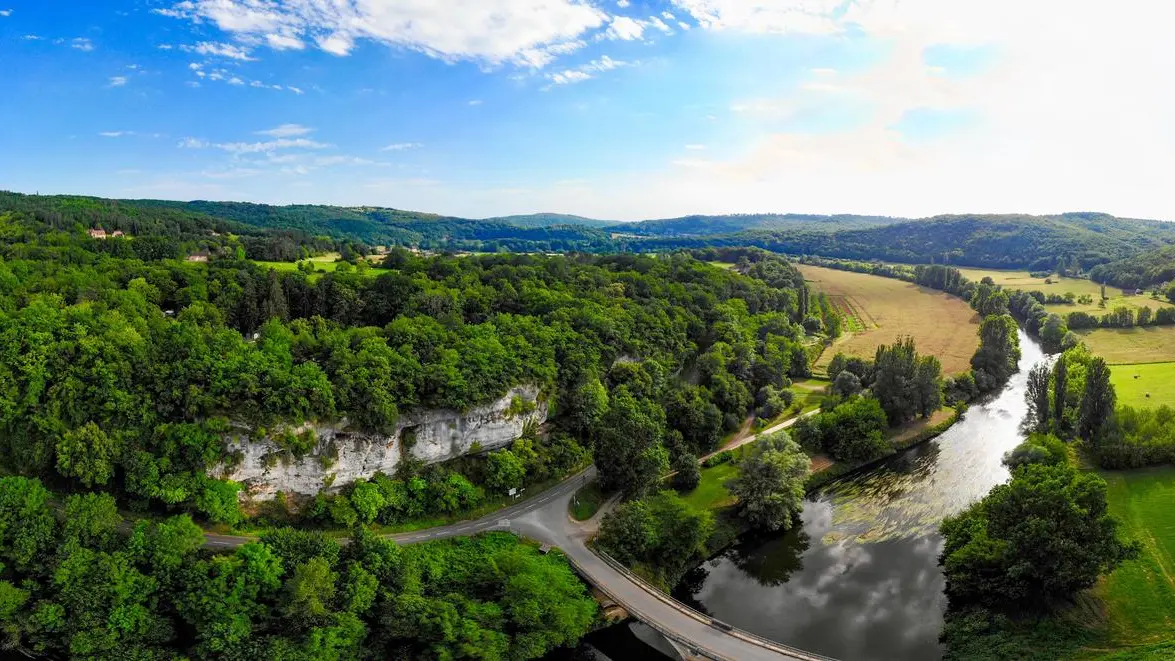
{"points": [[1134, 383], [885, 309]]}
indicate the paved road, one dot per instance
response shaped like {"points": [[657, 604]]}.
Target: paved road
{"points": [[544, 518]]}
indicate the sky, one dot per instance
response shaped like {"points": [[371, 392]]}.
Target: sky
{"points": [[615, 109]]}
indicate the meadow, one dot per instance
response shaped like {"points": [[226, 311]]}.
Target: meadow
{"points": [[1123, 346], [1144, 386], [1061, 286], [882, 309], [322, 264], [1139, 598]]}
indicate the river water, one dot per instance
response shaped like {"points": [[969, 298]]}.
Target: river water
{"points": [[860, 579]]}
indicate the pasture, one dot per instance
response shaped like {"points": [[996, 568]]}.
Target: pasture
{"points": [[1121, 346], [322, 264], [883, 309], [1061, 286], [1139, 597], [1134, 383]]}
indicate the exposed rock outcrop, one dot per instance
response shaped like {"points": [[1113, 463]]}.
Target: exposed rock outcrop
{"points": [[341, 456]]}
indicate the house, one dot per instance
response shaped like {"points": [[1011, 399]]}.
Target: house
{"points": [[117, 233], [201, 256], [97, 234]]}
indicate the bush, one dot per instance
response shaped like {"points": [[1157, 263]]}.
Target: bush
{"points": [[724, 457], [852, 432]]}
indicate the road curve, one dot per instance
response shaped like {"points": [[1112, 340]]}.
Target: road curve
{"points": [[545, 519]]}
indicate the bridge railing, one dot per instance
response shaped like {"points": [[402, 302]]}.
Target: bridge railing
{"points": [[692, 646]]}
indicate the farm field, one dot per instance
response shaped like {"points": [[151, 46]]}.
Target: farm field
{"points": [[1139, 597], [1126, 346], [322, 264], [1061, 286], [1134, 383], [883, 309]]}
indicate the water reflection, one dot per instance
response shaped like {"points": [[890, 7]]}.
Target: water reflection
{"points": [[860, 580]]}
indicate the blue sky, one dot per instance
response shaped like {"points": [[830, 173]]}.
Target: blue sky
{"points": [[619, 110]]}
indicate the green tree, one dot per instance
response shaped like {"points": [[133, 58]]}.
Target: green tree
{"points": [[1036, 540], [1037, 396], [628, 453], [504, 471], [770, 482], [686, 474], [1097, 401], [87, 453], [1052, 333], [998, 356], [1060, 391]]}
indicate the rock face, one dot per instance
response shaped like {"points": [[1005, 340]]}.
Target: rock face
{"points": [[340, 456]]}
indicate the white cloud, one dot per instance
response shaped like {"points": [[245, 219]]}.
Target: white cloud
{"points": [[82, 44], [492, 31], [164, 46], [475, 102], [668, 16], [683, 26], [115, 134], [782, 16], [117, 81], [270, 145], [625, 28], [213, 49], [622, 3], [660, 25], [293, 89], [402, 146], [235, 81], [32, 37], [286, 131], [284, 42], [585, 71], [5, 13], [192, 143]]}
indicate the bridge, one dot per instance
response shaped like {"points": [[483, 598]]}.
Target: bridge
{"points": [[545, 519]]}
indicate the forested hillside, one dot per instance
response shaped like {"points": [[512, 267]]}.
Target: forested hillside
{"points": [[1155, 267], [994, 241]]}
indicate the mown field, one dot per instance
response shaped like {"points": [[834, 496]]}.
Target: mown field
{"points": [[1139, 598], [1124, 346], [1144, 386], [883, 309], [1061, 286]]}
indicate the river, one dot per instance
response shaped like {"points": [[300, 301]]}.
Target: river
{"points": [[860, 579]]}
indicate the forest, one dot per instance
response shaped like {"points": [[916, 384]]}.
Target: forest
{"points": [[994, 241]]}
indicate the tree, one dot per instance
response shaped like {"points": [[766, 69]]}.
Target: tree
{"points": [[770, 482], [1034, 541], [1038, 449], [87, 453], [628, 453], [998, 356], [629, 532], [846, 384], [1037, 396], [1097, 402], [1053, 332], [309, 592], [1060, 391], [928, 385], [504, 471], [687, 474]]}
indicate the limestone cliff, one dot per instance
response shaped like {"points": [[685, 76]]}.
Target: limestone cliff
{"points": [[341, 456]]}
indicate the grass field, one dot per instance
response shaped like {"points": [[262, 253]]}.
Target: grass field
{"points": [[1061, 286], [1121, 346], [884, 309], [1139, 598], [322, 264], [711, 493], [1134, 382]]}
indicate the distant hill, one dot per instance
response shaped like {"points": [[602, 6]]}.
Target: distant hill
{"points": [[1134, 252], [711, 225], [549, 220]]}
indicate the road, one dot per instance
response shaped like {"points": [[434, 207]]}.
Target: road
{"points": [[545, 519]]}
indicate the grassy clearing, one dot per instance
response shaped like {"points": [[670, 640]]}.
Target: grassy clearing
{"points": [[942, 325], [1139, 598], [322, 264], [1061, 286], [1127, 346], [809, 394], [1135, 382], [587, 502]]}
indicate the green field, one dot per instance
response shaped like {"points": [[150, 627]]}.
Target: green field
{"points": [[1139, 598], [1061, 286], [711, 493], [1128, 346], [1134, 383], [322, 264]]}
